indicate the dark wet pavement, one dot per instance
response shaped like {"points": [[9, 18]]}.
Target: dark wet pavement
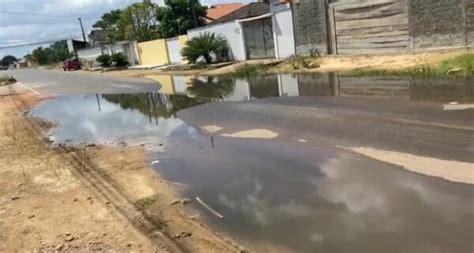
{"points": [[282, 193]]}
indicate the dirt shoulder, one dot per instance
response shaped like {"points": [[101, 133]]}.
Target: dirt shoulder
{"points": [[378, 62], [324, 64], [86, 199]]}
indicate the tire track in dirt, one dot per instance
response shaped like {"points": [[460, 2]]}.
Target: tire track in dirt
{"points": [[101, 185]]}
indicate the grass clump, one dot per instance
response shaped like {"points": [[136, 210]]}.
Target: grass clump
{"points": [[419, 71], [460, 65], [250, 70], [301, 62]]}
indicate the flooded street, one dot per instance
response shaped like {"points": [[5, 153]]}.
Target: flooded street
{"points": [[304, 163]]}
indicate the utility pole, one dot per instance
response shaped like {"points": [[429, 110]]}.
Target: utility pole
{"points": [[82, 29], [191, 5]]}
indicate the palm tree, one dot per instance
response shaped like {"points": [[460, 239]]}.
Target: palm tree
{"points": [[204, 45]]}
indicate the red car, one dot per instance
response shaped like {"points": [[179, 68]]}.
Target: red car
{"points": [[71, 65]]}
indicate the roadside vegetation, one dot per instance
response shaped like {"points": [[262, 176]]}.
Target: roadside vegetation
{"points": [[116, 60], [246, 70], [7, 60], [459, 66], [207, 47], [145, 20], [6, 80], [56, 52]]}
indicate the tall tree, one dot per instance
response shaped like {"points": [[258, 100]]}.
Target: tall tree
{"points": [[40, 56], [7, 60], [177, 16], [56, 52], [138, 21], [109, 23]]}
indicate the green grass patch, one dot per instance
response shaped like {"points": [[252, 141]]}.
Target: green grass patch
{"points": [[420, 71], [460, 65]]}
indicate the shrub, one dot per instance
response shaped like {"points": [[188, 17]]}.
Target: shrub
{"points": [[104, 60], [204, 46], [6, 79], [119, 59], [250, 69], [301, 62]]}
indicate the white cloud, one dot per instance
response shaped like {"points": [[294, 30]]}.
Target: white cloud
{"points": [[21, 29]]}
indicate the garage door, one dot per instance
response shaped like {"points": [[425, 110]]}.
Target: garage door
{"points": [[369, 26]]}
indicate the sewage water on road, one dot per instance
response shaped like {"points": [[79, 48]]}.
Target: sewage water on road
{"points": [[279, 195]]}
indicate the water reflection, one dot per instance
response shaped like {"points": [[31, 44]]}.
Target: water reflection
{"points": [[108, 118], [211, 87], [312, 199], [225, 88]]}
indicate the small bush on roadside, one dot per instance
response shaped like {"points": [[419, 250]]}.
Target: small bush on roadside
{"points": [[119, 59], [250, 69], [301, 62], [314, 53], [104, 60], [5, 80]]}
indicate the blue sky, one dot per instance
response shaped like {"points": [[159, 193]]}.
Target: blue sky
{"points": [[20, 29]]}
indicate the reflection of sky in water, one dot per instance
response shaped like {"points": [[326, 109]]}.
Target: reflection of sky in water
{"points": [[315, 199], [81, 120]]}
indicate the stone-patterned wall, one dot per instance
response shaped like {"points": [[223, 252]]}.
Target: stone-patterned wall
{"points": [[470, 21], [438, 23], [309, 19]]}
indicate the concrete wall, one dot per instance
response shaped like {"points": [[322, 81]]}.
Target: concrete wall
{"points": [[174, 47], [173, 50], [90, 54], [153, 53], [439, 23], [182, 43], [309, 19], [231, 31], [470, 22], [284, 33]]}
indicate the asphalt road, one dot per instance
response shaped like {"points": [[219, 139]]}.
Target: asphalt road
{"points": [[395, 124], [55, 82]]}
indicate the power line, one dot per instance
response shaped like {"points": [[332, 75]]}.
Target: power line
{"points": [[40, 42], [49, 15]]}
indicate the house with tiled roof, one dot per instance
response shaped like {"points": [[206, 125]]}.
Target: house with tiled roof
{"points": [[217, 11]]}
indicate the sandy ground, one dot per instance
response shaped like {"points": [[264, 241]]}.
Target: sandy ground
{"points": [[65, 199], [455, 171], [381, 62]]}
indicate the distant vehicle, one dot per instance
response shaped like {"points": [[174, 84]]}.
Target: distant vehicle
{"points": [[69, 65], [3, 67]]}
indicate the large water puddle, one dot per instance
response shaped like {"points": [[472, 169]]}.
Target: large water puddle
{"points": [[301, 198], [275, 195]]}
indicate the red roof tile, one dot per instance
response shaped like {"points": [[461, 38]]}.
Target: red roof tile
{"points": [[219, 10]]}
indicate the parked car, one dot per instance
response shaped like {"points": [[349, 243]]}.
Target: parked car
{"points": [[69, 65], [3, 67]]}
